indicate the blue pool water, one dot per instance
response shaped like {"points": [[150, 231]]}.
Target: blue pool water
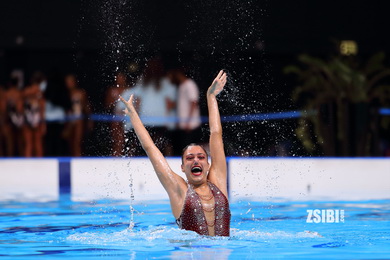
{"points": [[66, 229]]}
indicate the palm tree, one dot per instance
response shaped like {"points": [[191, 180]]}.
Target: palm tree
{"points": [[346, 97]]}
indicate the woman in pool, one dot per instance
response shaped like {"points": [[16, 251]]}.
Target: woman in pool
{"points": [[201, 203]]}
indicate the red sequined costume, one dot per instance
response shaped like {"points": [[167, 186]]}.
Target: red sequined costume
{"points": [[192, 216]]}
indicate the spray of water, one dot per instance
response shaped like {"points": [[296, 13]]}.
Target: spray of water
{"points": [[219, 34], [131, 224]]}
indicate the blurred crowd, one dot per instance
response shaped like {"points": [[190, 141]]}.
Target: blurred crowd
{"points": [[44, 117], [50, 115], [168, 103]]}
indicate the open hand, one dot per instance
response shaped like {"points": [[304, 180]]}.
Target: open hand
{"points": [[218, 83], [129, 104]]}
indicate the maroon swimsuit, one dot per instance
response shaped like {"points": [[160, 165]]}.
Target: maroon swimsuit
{"points": [[192, 216]]}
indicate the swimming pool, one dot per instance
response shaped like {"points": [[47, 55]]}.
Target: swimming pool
{"points": [[100, 229]]}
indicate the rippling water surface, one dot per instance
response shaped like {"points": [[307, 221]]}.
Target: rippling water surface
{"points": [[258, 230]]}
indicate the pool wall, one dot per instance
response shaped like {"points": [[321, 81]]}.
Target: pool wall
{"points": [[88, 179]]}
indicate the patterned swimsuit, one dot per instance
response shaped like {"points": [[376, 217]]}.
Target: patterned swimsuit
{"points": [[192, 216]]}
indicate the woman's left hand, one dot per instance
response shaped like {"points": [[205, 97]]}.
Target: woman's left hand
{"points": [[129, 105], [218, 84]]}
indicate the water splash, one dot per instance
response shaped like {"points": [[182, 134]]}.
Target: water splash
{"points": [[232, 34], [171, 235], [131, 224]]}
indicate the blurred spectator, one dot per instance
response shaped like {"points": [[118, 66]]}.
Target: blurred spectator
{"points": [[2, 120], [78, 117], [34, 126], [41, 81], [13, 119], [171, 102], [188, 112], [156, 97], [116, 127], [58, 105]]}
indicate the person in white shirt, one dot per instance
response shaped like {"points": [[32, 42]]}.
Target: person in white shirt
{"points": [[154, 96], [188, 111]]}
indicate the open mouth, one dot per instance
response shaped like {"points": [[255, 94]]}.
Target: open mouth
{"points": [[196, 170]]}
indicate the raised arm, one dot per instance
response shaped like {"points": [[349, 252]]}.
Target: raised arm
{"points": [[173, 183], [218, 170]]}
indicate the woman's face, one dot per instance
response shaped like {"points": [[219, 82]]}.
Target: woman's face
{"points": [[195, 165]]}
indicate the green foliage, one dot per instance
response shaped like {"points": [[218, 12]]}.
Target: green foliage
{"points": [[339, 80]]}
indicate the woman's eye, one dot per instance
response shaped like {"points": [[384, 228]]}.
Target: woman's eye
{"points": [[190, 158]]}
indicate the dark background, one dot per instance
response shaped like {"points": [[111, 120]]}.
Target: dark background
{"points": [[252, 40]]}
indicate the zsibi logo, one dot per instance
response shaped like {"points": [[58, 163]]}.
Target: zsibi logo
{"points": [[325, 216]]}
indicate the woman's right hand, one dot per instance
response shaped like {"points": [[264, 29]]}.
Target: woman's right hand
{"points": [[218, 83], [129, 105]]}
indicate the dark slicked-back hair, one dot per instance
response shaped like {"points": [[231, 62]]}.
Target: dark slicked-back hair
{"points": [[192, 144]]}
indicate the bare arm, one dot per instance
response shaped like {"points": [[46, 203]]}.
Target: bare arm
{"points": [[173, 183], [218, 170]]}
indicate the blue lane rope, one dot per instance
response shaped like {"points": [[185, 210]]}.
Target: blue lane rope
{"points": [[204, 119], [384, 111]]}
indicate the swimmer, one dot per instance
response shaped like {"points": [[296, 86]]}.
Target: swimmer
{"points": [[201, 203]]}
